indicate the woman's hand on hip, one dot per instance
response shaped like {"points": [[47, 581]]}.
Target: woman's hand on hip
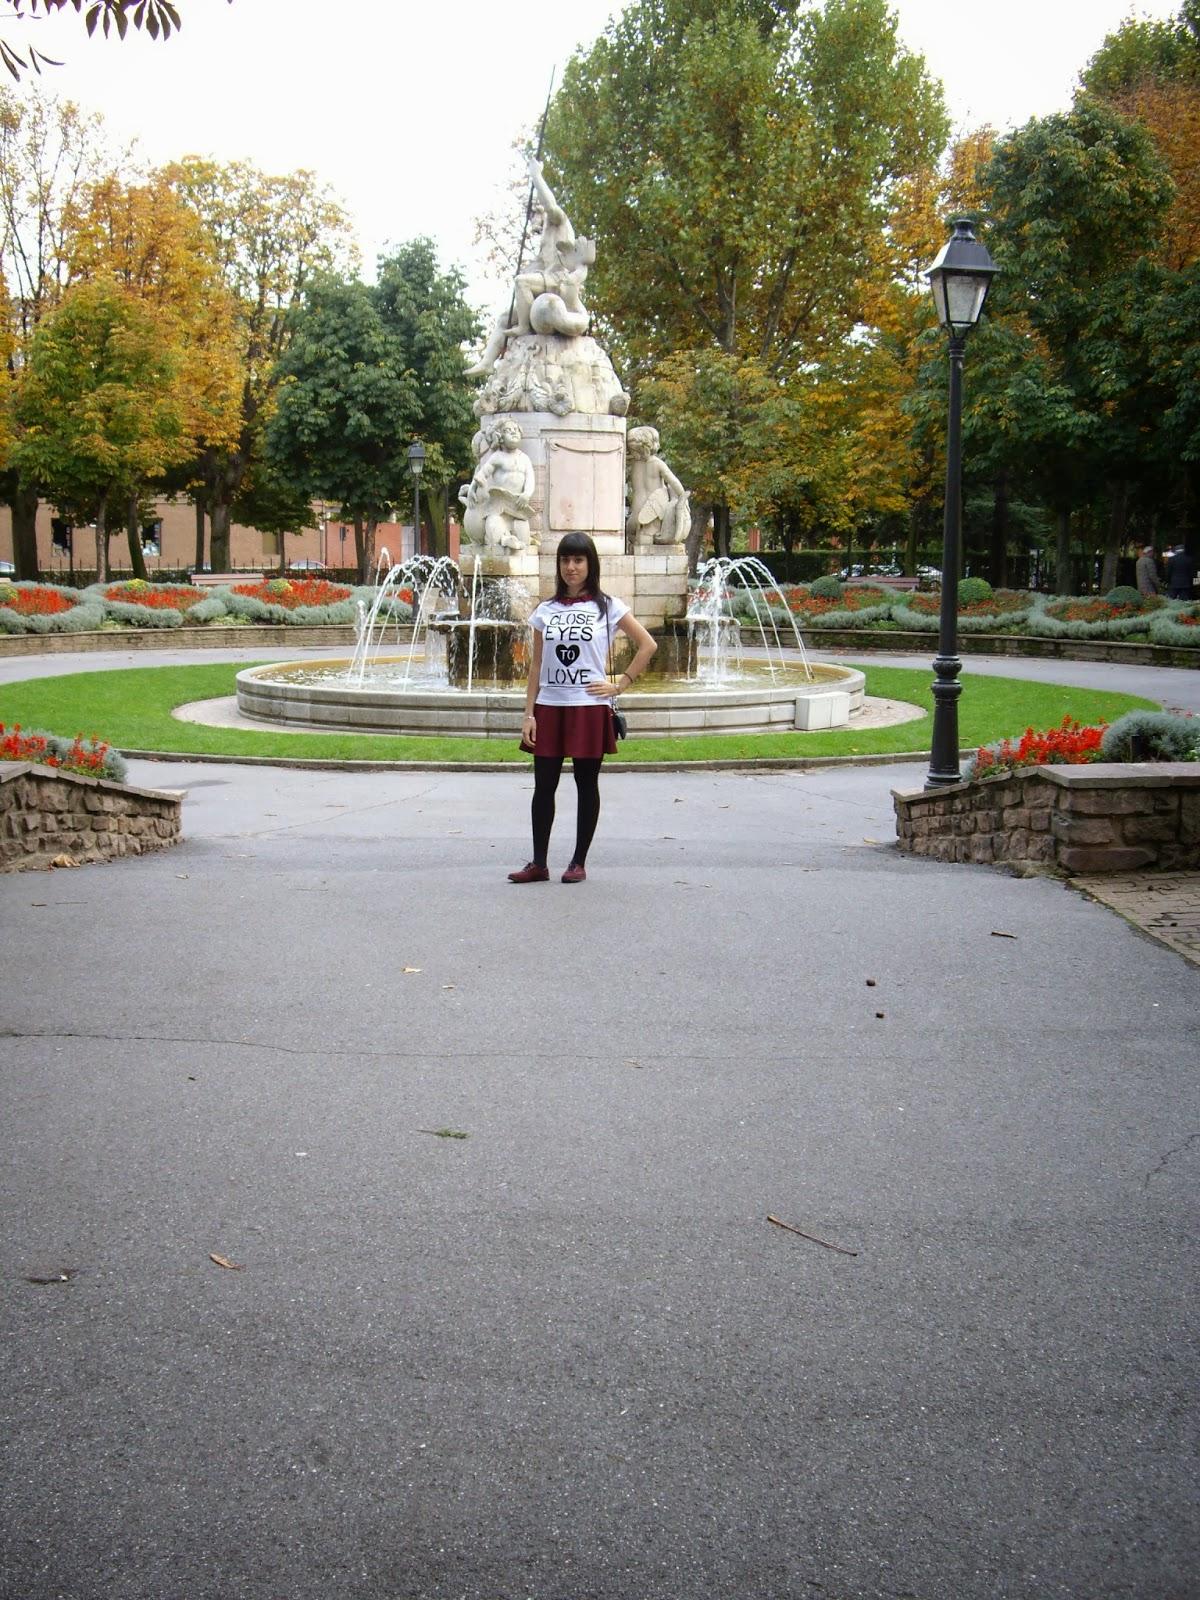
{"points": [[602, 689]]}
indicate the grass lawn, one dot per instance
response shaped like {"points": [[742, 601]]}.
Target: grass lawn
{"points": [[131, 709]]}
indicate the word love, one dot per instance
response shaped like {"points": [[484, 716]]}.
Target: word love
{"points": [[569, 675]]}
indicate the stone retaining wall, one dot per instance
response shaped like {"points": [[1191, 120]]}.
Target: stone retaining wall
{"points": [[45, 813], [1099, 817]]}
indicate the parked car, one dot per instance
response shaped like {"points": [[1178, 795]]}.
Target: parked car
{"points": [[7, 570], [306, 566]]}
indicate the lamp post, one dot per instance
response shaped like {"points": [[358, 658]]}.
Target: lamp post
{"points": [[416, 465], [959, 280]]}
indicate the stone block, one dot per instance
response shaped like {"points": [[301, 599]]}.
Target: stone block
{"points": [[1039, 819], [1087, 858], [1150, 830], [1107, 802], [1084, 830]]}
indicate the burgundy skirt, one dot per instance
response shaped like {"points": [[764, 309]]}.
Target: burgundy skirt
{"points": [[585, 731]]}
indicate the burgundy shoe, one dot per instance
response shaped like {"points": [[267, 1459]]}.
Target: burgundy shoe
{"points": [[574, 873], [530, 873]]}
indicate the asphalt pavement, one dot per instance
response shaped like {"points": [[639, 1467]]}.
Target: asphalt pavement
{"points": [[568, 1356]]}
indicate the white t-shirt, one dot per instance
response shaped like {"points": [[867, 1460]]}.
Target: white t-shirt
{"points": [[574, 648]]}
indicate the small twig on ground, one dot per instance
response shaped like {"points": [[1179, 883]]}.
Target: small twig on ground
{"points": [[811, 1237]]}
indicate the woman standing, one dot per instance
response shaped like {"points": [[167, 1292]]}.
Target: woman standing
{"points": [[568, 703]]}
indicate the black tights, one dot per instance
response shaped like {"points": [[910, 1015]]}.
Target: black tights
{"points": [[546, 771]]}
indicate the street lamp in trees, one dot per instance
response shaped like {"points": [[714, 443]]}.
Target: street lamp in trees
{"points": [[959, 280], [416, 465]]}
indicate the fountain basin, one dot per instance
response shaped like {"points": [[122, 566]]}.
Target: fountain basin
{"points": [[753, 701]]}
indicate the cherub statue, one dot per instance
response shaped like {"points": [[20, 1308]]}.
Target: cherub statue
{"points": [[547, 297], [659, 511], [498, 501]]}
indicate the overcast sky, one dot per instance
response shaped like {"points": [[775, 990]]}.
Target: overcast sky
{"points": [[409, 110]]}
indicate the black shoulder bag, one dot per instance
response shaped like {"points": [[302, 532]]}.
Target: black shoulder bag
{"points": [[620, 726]]}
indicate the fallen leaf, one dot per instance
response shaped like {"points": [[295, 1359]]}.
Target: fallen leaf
{"points": [[445, 1133], [191, 1077], [181, 875], [879, 1013], [64, 861], [678, 800], [870, 983], [449, 986], [629, 1063], [63, 1275], [410, 969], [224, 1261], [869, 841], [39, 902], [997, 934], [671, 836]]}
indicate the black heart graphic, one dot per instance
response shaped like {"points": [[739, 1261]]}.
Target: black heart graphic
{"points": [[568, 654]]}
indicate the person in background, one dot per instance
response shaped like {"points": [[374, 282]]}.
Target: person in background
{"points": [[1147, 571], [1181, 574]]}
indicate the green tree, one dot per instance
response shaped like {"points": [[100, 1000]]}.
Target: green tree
{"points": [[101, 409], [424, 311], [739, 169], [1076, 201], [344, 409]]}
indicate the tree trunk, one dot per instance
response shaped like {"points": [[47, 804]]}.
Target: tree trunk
{"points": [[220, 513], [24, 504], [437, 498], [102, 541], [133, 531], [998, 551], [721, 530], [199, 564], [694, 545], [1114, 535], [1062, 553]]}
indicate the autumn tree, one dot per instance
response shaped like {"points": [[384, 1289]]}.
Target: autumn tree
{"points": [[49, 150], [100, 408], [270, 236], [739, 168], [143, 237]]}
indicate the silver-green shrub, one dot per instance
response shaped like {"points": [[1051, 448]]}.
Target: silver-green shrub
{"points": [[1152, 736]]}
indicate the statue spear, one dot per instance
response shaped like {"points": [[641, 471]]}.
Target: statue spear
{"points": [[512, 305]]}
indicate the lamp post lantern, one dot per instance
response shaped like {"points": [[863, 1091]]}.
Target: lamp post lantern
{"points": [[416, 465], [959, 280]]}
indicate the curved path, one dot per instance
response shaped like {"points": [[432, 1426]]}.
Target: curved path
{"points": [[569, 1355]]}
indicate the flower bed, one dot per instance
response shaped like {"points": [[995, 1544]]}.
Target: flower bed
{"points": [[91, 757], [292, 593], [155, 596], [1068, 744], [47, 608], [37, 599]]}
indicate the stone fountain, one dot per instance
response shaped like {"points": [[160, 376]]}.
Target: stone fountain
{"points": [[552, 457]]}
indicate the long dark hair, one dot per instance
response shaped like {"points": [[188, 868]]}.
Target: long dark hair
{"points": [[580, 544]]}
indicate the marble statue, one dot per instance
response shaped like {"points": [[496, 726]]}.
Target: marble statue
{"points": [[659, 511], [539, 356], [498, 501]]}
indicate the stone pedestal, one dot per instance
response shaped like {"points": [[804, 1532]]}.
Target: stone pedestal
{"points": [[579, 463]]}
